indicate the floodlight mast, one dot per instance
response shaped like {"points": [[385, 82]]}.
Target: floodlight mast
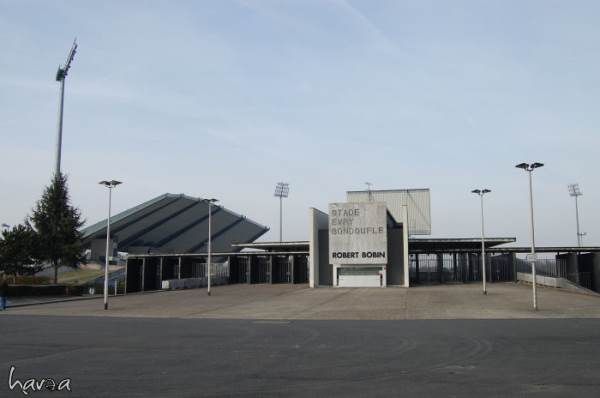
{"points": [[529, 168], [282, 190], [61, 75], [575, 192]]}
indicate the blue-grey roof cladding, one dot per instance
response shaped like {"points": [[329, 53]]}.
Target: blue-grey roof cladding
{"points": [[176, 224]]}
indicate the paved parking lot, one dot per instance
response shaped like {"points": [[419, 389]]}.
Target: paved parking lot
{"points": [[161, 357], [296, 341], [504, 301]]}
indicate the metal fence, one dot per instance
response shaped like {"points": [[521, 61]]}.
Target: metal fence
{"points": [[556, 268], [544, 267], [219, 276], [459, 267]]}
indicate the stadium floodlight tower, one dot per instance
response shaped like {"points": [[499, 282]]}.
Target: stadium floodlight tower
{"points": [[575, 191], [61, 75], [110, 184], [481, 193], [209, 255], [531, 257], [282, 190]]}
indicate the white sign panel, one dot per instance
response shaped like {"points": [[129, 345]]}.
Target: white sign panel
{"points": [[358, 233], [531, 257]]}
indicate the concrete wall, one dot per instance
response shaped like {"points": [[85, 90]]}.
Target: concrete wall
{"points": [[596, 272], [553, 282], [395, 271], [325, 268], [543, 280], [321, 271], [317, 220]]}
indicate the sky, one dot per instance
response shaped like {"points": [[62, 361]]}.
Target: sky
{"points": [[226, 98]]}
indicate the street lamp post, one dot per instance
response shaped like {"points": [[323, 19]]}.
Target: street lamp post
{"points": [[209, 257], [532, 257], [282, 190], [481, 193], [575, 191], [61, 75], [110, 185]]}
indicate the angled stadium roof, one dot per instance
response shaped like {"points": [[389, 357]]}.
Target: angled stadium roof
{"points": [[176, 224]]}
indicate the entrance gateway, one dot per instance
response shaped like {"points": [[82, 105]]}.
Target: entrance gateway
{"points": [[358, 246]]}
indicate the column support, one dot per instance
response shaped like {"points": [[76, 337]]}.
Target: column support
{"points": [[454, 266], [417, 267], [249, 269], [126, 268], [160, 273], [143, 274]]}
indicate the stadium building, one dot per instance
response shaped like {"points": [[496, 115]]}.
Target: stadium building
{"points": [[376, 238]]}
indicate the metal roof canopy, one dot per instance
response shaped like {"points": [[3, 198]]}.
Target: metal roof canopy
{"points": [[172, 223], [218, 254], [427, 245], [414, 244], [432, 245], [301, 246]]}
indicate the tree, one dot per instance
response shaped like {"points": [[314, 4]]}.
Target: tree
{"points": [[57, 225], [18, 251]]}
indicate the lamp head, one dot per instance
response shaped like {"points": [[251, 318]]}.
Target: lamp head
{"points": [[476, 191], [282, 190], [110, 183], [524, 166], [574, 190]]}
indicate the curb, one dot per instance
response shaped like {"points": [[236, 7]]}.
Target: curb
{"points": [[64, 300]]}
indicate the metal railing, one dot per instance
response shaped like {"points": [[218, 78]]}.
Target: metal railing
{"points": [[544, 267]]}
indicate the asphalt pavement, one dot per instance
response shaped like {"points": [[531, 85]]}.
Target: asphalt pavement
{"points": [[284, 301], [173, 357]]}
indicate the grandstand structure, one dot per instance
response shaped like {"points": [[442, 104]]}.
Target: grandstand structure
{"points": [[171, 223]]}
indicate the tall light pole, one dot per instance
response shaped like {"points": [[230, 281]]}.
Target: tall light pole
{"points": [[481, 193], [532, 257], [209, 257], [282, 190], [575, 191], [61, 75], [110, 185]]}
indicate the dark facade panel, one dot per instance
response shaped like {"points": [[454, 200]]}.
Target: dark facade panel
{"points": [[192, 212], [164, 223], [325, 269], [144, 223], [126, 218], [240, 232], [193, 236], [395, 271]]}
